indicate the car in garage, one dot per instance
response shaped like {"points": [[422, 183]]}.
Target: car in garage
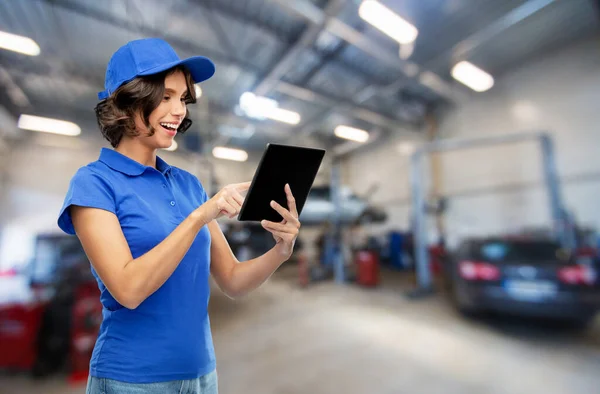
{"points": [[525, 277], [320, 208]]}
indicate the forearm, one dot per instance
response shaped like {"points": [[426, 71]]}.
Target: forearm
{"points": [[147, 273], [249, 275]]}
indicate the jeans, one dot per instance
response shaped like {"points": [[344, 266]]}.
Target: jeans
{"points": [[207, 384]]}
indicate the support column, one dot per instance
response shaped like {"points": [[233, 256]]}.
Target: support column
{"points": [[335, 238]]}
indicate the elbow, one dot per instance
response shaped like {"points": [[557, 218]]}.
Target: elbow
{"points": [[130, 304], [128, 292], [128, 299], [231, 285], [234, 293]]}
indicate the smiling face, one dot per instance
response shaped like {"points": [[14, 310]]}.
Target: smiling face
{"points": [[167, 117]]}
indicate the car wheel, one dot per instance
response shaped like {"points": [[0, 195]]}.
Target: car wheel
{"points": [[461, 305], [41, 368]]}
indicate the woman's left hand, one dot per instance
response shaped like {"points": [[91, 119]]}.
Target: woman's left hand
{"points": [[286, 231]]}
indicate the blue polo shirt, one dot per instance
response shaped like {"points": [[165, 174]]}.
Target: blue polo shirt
{"points": [[167, 337]]}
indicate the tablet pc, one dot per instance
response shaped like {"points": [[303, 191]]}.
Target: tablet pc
{"points": [[280, 164]]}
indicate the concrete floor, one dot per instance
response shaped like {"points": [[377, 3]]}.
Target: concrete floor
{"points": [[344, 339]]}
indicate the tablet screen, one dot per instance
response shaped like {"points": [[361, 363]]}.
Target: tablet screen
{"points": [[281, 164]]}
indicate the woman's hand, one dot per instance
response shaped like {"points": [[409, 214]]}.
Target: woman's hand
{"points": [[227, 202], [286, 231]]}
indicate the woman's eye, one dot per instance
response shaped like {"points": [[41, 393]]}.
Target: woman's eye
{"points": [[166, 98]]}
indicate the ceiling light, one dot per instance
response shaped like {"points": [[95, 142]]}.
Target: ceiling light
{"points": [[262, 108], [387, 21], [24, 45], [198, 90], [48, 125], [351, 133], [255, 106], [229, 154], [472, 76], [173, 147], [284, 115]]}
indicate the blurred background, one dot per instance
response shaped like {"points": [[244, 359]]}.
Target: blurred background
{"points": [[449, 243]]}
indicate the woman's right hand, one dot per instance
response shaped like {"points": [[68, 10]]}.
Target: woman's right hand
{"points": [[227, 202]]}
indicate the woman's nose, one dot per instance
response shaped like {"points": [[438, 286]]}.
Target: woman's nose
{"points": [[178, 108]]}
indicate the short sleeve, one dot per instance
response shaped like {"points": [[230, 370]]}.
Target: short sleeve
{"points": [[203, 195], [86, 189]]}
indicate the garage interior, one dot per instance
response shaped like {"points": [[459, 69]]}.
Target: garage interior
{"points": [[450, 240]]}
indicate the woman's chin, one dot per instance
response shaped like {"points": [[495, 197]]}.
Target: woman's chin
{"points": [[165, 144]]}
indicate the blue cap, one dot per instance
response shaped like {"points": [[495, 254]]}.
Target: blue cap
{"points": [[146, 57]]}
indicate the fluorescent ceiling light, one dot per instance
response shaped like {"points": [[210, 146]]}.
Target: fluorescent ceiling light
{"points": [[221, 152], [48, 125], [24, 45], [255, 106], [173, 147], [472, 76], [387, 21], [284, 115], [198, 90], [262, 108], [351, 133]]}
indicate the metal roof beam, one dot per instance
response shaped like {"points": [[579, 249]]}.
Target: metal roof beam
{"points": [[291, 57], [192, 46], [460, 50], [345, 106], [316, 16], [475, 40], [218, 6], [13, 91], [128, 24], [466, 46]]}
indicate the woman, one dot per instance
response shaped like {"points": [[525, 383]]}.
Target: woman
{"points": [[150, 233]]}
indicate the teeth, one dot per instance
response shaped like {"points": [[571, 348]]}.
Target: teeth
{"points": [[169, 125]]}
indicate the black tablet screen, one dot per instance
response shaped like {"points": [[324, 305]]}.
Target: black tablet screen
{"points": [[281, 164]]}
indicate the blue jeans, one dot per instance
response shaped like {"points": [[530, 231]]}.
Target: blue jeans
{"points": [[207, 384]]}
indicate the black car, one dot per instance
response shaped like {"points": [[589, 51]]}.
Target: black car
{"points": [[525, 277]]}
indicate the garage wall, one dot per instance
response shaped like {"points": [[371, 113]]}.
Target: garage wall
{"points": [[38, 178], [499, 189], [384, 164], [495, 190]]}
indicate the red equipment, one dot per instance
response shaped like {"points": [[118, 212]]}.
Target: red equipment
{"points": [[303, 270], [436, 258], [367, 268], [19, 325], [87, 317], [64, 311]]}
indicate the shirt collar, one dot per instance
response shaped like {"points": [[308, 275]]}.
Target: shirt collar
{"points": [[119, 162]]}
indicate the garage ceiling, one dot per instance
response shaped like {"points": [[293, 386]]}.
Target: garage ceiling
{"points": [[318, 57]]}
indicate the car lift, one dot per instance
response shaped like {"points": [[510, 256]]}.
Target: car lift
{"points": [[562, 231], [335, 239]]}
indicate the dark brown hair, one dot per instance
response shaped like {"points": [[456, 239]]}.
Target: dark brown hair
{"points": [[116, 114]]}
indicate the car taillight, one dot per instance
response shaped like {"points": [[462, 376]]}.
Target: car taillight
{"points": [[477, 270], [577, 275]]}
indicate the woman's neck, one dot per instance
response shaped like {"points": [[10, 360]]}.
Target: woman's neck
{"points": [[138, 152]]}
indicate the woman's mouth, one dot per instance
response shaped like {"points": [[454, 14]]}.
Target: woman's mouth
{"points": [[170, 128]]}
